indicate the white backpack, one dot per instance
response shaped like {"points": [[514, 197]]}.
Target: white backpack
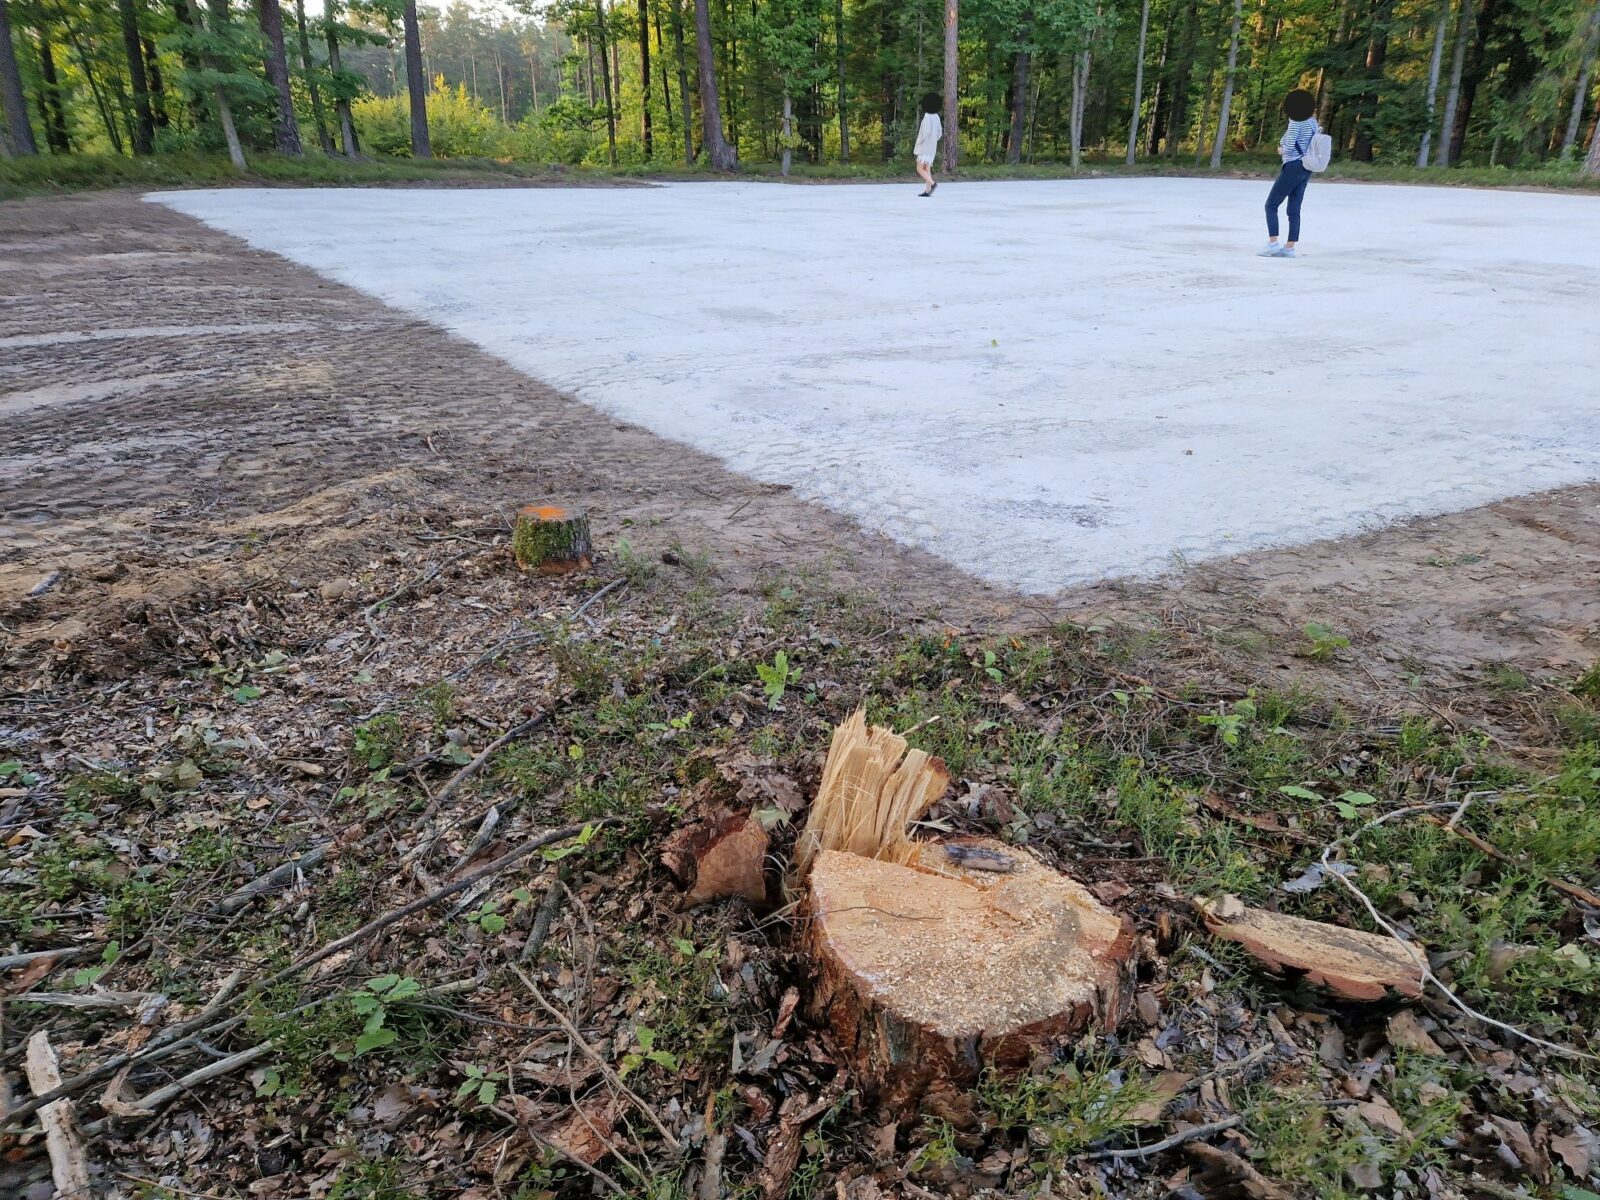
{"points": [[1318, 154]]}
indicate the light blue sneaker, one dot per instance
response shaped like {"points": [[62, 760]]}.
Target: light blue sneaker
{"points": [[1274, 250]]}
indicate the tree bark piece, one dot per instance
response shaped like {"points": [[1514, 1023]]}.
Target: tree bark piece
{"points": [[1358, 966], [551, 540], [69, 1157], [721, 857], [934, 968]]}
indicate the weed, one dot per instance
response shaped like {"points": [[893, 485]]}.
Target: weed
{"points": [[480, 1086], [1587, 685], [1067, 1109], [439, 699], [1322, 643], [636, 567], [645, 1038], [776, 678], [378, 740]]}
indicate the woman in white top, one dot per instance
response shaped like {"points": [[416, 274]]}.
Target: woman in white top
{"points": [[928, 135]]}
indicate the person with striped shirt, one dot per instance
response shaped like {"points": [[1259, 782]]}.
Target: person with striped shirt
{"points": [[1298, 106]]}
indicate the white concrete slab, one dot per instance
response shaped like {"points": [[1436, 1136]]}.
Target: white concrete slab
{"points": [[1044, 383]]}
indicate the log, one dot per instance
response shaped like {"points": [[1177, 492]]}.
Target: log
{"points": [[972, 954], [551, 540]]}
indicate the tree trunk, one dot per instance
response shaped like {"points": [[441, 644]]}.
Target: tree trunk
{"points": [[1227, 87], [152, 74], [1453, 96], [285, 128], [341, 104], [12, 103], [1581, 96], [1434, 65], [1478, 67], [661, 58], [416, 84], [788, 130], [86, 65], [844, 101], [1377, 55], [645, 131], [720, 155], [551, 540], [191, 64], [55, 114], [1183, 72], [676, 14], [144, 128], [952, 82], [1080, 95], [1019, 107], [1324, 91], [605, 84], [1591, 165], [1138, 85], [308, 66], [219, 99]]}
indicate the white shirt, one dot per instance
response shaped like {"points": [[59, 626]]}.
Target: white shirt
{"points": [[928, 135]]}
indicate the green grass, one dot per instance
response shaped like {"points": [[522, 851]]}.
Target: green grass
{"points": [[54, 174]]}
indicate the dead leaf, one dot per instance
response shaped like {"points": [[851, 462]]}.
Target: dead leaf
{"points": [[1406, 1033], [588, 1135], [1576, 1149], [1166, 1087], [1381, 1115]]}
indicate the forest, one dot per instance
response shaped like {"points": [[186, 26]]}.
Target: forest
{"points": [[678, 83]]}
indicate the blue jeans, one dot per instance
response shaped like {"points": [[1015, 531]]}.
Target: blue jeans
{"points": [[1290, 186]]}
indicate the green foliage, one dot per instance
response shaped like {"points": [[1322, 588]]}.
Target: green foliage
{"points": [[776, 677], [1322, 643], [1067, 1109], [377, 741], [458, 125], [374, 1004]]}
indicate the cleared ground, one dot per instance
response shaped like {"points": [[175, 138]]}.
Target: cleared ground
{"points": [[1045, 384]]}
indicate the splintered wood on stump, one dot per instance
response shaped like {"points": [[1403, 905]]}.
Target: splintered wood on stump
{"points": [[973, 954], [551, 540]]}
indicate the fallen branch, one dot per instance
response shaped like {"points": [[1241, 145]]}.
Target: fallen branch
{"points": [[280, 874], [10, 962], [69, 1156], [1167, 1143], [488, 752], [123, 1000], [177, 1087], [201, 1025], [546, 915], [594, 1056], [1581, 894]]}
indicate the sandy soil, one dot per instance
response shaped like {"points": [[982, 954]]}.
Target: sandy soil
{"points": [[185, 416]]}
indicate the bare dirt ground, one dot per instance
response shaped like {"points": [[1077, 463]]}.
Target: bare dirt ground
{"points": [[256, 603], [171, 396]]}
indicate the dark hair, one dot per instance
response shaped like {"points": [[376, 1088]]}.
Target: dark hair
{"points": [[932, 102], [1299, 104]]}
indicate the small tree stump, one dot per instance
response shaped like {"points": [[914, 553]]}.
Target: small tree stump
{"points": [[972, 954], [551, 540]]}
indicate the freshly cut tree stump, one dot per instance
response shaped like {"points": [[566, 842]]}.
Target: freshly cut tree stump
{"points": [[971, 953], [551, 540]]}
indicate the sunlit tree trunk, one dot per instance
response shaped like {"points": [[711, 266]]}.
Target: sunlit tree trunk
{"points": [[1227, 87], [1453, 97], [54, 112], [952, 81], [788, 130], [844, 102], [719, 153], [341, 103], [1434, 66], [219, 98], [416, 84], [285, 129], [19, 130], [1580, 98], [645, 132], [1591, 165], [144, 125], [308, 65], [605, 84], [1138, 85], [683, 82]]}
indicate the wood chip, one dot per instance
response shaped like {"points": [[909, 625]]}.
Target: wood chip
{"points": [[1358, 966]]}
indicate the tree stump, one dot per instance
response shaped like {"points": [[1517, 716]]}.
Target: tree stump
{"points": [[971, 954], [551, 540]]}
